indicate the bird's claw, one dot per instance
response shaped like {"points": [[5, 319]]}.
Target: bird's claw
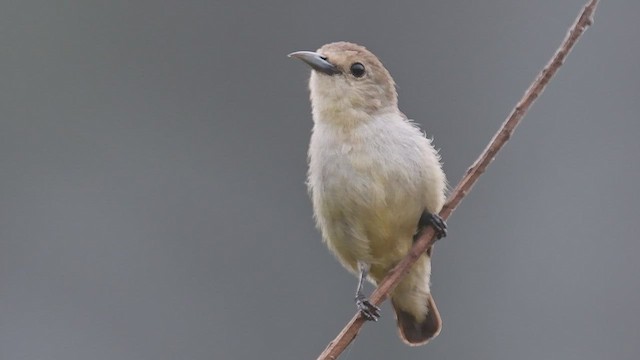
{"points": [[369, 311], [439, 225]]}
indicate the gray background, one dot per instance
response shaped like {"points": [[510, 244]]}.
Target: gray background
{"points": [[153, 159]]}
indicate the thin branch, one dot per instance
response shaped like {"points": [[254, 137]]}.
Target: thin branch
{"points": [[349, 332]]}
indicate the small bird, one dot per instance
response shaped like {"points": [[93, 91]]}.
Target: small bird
{"points": [[375, 181]]}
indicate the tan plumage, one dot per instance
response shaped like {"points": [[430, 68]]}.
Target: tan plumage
{"points": [[372, 173]]}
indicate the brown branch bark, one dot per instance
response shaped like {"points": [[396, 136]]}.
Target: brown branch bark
{"points": [[349, 332]]}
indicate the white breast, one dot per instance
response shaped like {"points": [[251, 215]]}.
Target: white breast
{"points": [[369, 184]]}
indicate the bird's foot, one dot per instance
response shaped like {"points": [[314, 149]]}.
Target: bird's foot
{"points": [[369, 311], [438, 224]]}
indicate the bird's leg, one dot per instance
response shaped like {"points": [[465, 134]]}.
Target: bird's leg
{"points": [[367, 309], [426, 219]]}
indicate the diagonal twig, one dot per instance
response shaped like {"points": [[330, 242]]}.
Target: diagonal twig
{"points": [[349, 332]]}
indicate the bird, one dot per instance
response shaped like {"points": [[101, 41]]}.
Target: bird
{"points": [[375, 181]]}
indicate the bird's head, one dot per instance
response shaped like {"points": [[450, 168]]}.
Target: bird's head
{"points": [[348, 81]]}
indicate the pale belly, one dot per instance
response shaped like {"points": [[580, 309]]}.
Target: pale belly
{"points": [[369, 187], [368, 216]]}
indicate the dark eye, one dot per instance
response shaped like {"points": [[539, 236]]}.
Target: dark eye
{"points": [[357, 69]]}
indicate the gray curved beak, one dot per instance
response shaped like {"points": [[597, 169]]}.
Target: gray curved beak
{"points": [[316, 61]]}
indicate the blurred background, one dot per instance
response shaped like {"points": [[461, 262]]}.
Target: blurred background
{"points": [[152, 189]]}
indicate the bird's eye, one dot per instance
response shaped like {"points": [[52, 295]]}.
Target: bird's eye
{"points": [[357, 69]]}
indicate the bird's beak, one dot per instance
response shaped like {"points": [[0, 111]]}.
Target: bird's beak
{"points": [[316, 61]]}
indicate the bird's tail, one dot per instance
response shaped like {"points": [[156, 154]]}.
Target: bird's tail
{"points": [[418, 332]]}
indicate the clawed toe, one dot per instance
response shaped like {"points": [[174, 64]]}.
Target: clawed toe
{"points": [[437, 222], [369, 311], [439, 225]]}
